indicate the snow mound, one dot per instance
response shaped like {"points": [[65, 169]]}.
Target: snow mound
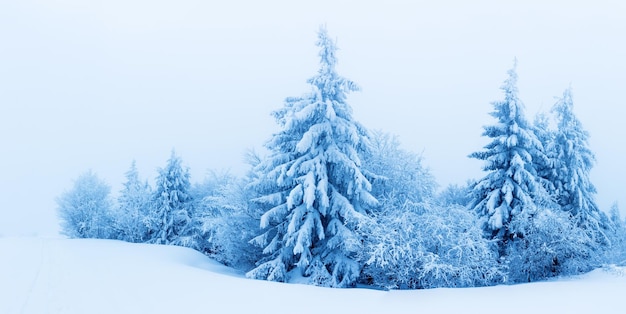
{"points": [[39, 275]]}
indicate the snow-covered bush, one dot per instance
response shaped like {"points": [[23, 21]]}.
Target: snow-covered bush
{"points": [[549, 244], [226, 220], [410, 243], [427, 246], [85, 210]]}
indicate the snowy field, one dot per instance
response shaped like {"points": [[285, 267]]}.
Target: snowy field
{"points": [[48, 275]]}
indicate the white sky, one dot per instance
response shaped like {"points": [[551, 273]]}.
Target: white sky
{"points": [[96, 84]]}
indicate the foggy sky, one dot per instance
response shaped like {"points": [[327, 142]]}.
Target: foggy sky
{"points": [[96, 84]]}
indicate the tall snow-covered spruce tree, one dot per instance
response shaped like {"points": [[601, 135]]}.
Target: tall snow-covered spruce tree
{"points": [[511, 185], [573, 162], [312, 184]]}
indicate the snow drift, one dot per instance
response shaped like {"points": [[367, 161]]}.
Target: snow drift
{"points": [[45, 275]]}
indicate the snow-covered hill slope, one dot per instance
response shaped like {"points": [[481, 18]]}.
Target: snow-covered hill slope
{"points": [[39, 275]]}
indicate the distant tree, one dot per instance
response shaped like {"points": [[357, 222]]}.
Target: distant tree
{"points": [[312, 185], [132, 215], [171, 211], [573, 163], [396, 174], [511, 185], [615, 216], [455, 194], [617, 254], [85, 210]]}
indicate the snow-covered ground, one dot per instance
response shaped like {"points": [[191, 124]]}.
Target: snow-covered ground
{"points": [[46, 275]]}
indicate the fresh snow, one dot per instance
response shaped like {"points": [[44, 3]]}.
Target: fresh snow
{"points": [[50, 275]]}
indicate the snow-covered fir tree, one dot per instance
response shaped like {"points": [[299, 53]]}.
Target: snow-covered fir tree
{"points": [[617, 254], [312, 184], [511, 184], [573, 163], [170, 218], [131, 219], [545, 164]]}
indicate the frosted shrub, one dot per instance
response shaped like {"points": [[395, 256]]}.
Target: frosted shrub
{"points": [[424, 246], [549, 244], [227, 221], [85, 210]]}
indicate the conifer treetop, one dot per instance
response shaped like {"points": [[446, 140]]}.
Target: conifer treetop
{"points": [[327, 80]]}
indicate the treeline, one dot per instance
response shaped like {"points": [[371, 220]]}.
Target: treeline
{"points": [[335, 204]]}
